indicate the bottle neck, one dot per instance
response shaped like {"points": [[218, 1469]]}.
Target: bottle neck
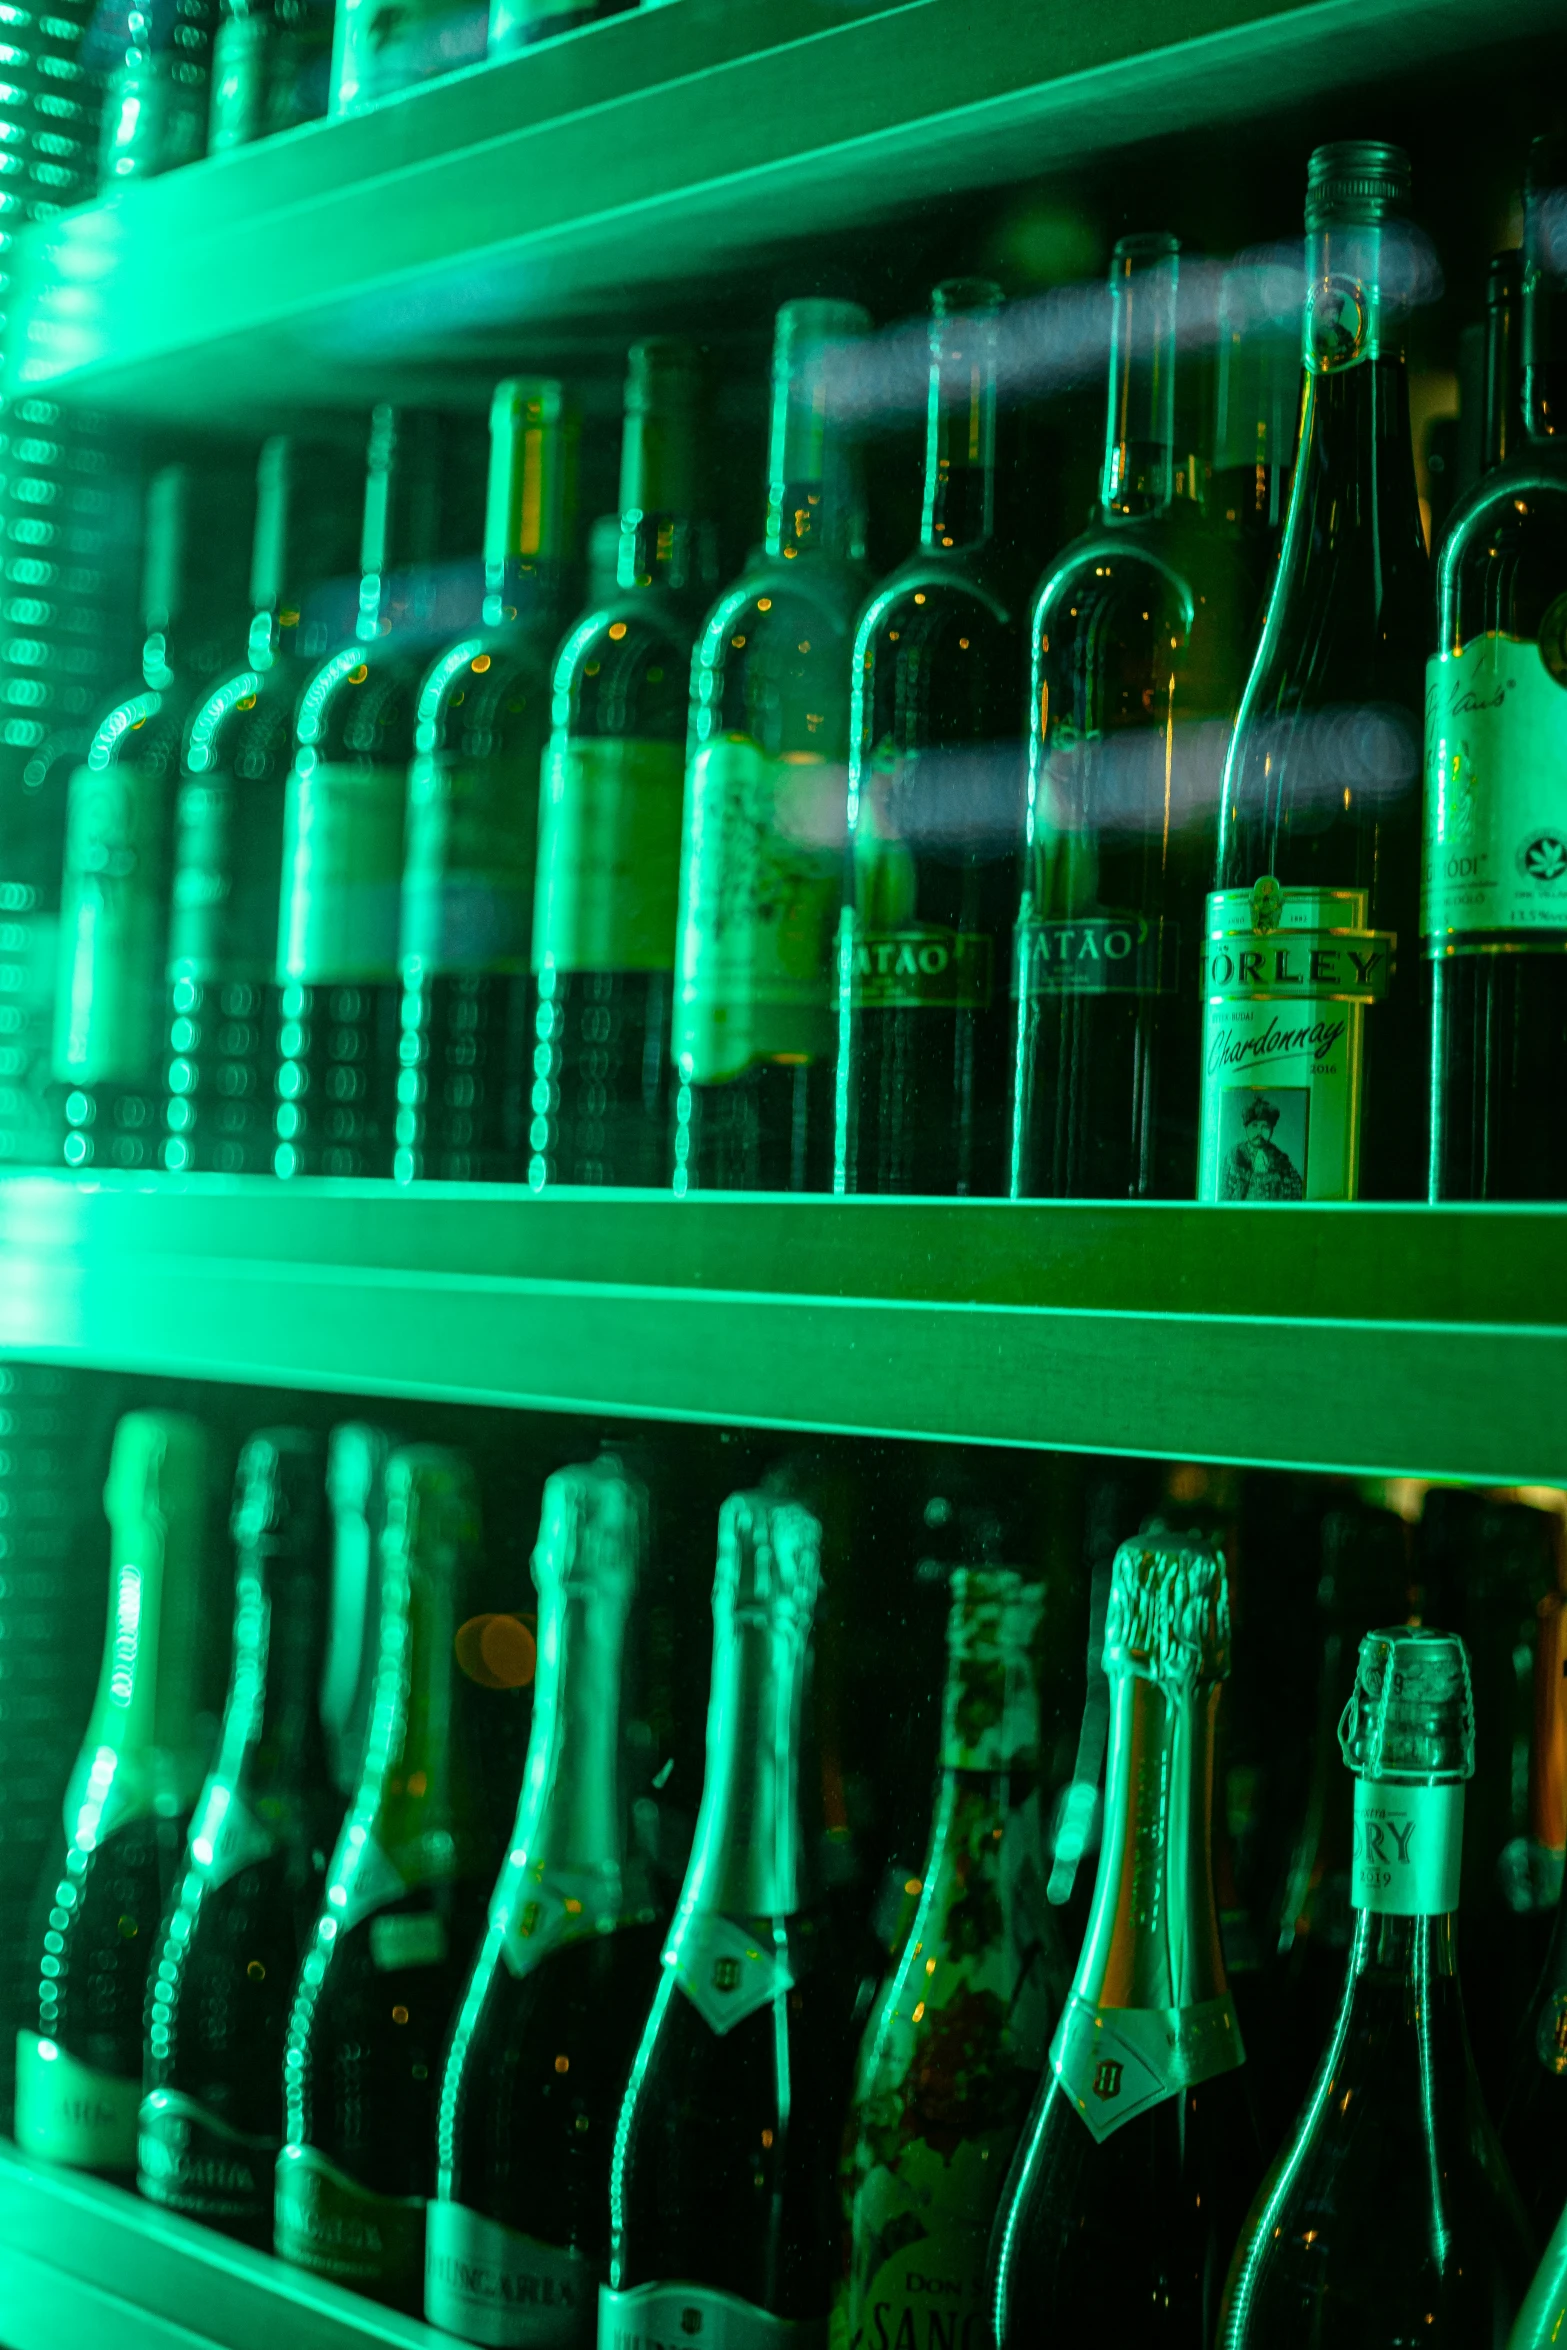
{"points": [[1139, 474], [750, 1857], [570, 1817], [1501, 414], [814, 506], [960, 434], [415, 1779], [145, 1748], [660, 493], [1544, 342], [1411, 1952]]}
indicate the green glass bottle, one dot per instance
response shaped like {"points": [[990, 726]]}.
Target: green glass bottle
{"points": [[271, 69], [518, 24], [156, 98], [518, 2237], [128, 1805], [377, 50], [766, 799], [1389, 2215], [404, 1908], [357, 1457]]}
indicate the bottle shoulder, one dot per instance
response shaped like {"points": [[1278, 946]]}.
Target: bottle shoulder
{"points": [[773, 595], [931, 581], [624, 629]]}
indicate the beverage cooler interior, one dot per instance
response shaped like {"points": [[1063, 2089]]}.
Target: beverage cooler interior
{"points": [[783, 1129]]}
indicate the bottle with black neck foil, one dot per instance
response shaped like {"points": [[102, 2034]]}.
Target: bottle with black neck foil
{"points": [[935, 799], [610, 805], [1312, 1056], [1390, 2216], [766, 798], [1143, 2107]]}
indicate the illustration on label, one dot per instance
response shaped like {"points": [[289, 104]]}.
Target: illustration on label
{"points": [[1098, 954], [491, 2284], [342, 872], [69, 2112], [695, 2314], [1408, 1844], [725, 1971], [189, 2160], [327, 2222], [1494, 872], [609, 855], [468, 881], [1115, 2062], [920, 967]]}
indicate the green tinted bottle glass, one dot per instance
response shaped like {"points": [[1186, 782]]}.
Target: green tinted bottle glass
{"points": [[766, 799], [1534, 2120], [1390, 2216], [356, 1463], [404, 1908], [255, 1868], [721, 2189], [156, 99], [271, 69], [128, 1805]]}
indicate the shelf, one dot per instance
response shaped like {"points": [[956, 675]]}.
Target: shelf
{"points": [[87, 2266], [595, 183], [1400, 1340]]}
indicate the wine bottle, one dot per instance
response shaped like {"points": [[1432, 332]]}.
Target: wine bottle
{"points": [[1137, 632], [1311, 1058], [1536, 2105], [1502, 415], [518, 2237], [935, 800], [766, 802], [255, 1868], [517, 24], [609, 813], [721, 2185], [955, 2045], [377, 50], [271, 69], [156, 97], [1142, 2104], [357, 1456], [228, 843], [1494, 912], [1257, 420], [127, 1807], [473, 800], [1390, 2215]]}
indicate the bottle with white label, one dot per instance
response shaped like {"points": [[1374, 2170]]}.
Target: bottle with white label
{"points": [[518, 2238], [609, 814], [1313, 1048], [766, 798], [473, 804], [255, 1867], [1144, 2108], [723, 2213], [1494, 881], [404, 1909], [1390, 2215], [128, 1805]]}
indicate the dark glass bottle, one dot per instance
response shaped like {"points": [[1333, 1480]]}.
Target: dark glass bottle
{"points": [[357, 1456], [609, 814], [228, 842], [1533, 2135], [1137, 639], [156, 99], [1312, 1058], [1494, 910], [935, 800], [1502, 429], [1390, 2216], [1257, 421], [255, 1868], [766, 802], [473, 800], [271, 69]]}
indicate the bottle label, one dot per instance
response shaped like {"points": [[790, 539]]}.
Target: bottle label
{"points": [[1494, 876], [1287, 977], [468, 881], [489, 2284], [383, 49], [189, 2161], [325, 2221], [108, 1027], [228, 850], [659, 2317], [70, 2112], [342, 873], [761, 885], [1100, 954], [919, 968], [226, 1835], [725, 1970], [540, 1908], [920, 2238], [1115, 2062], [1408, 1844], [609, 855]]}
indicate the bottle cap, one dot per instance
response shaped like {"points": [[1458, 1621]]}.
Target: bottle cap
{"points": [[1357, 180], [1168, 1618], [157, 1470], [592, 1530], [769, 1560], [1412, 1714], [991, 1712], [278, 1488], [432, 1506]]}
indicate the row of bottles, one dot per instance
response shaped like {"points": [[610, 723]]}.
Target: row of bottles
{"points": [[657, 2082]]}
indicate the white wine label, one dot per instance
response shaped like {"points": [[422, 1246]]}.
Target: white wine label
{"points": [[1494, 876], [725, 1970], [381, 49], [1115, 2062], [1099, 954], [487, 2283], [1408, 1843], [327, 2222], [69, 2112], [108, 1020], [468, 880], [190, 2161], [538, 1908], [227, 853], [342, 871], [609, 855], [226, 1835], [415, 1939], [761, 884], [1287, 977], [671, 2317], [919, 968]]}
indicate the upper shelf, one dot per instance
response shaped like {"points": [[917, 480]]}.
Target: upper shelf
{"points": [[614, 169]]}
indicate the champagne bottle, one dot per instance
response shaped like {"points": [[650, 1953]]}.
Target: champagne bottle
{"points": [[721, 2186], [1142, 2104], [271, 69], [935, 799], [1311, 1060], [766, 802], [1494, 912], [1136, 635], [955, 2045], [255, 1867], [473, 798], [357, 1457], [404, 1907], [156, 97], [1390, 2215], [228, 843], [127, 1808], [518, 2238], [609, 813]]}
